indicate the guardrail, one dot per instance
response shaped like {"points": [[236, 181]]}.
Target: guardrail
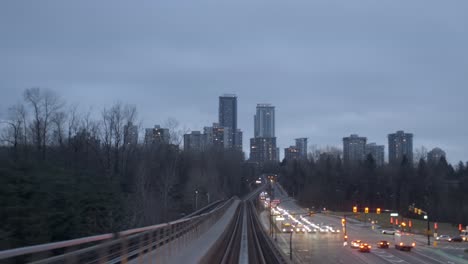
{"points": [[206, 208], [162, 241]]}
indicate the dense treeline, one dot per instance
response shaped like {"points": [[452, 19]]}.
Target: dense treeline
{"points": [[66, 174], [437, 188]]}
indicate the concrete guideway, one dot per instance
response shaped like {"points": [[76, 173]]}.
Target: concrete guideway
{"points": [[197, 249], [244, 250]]}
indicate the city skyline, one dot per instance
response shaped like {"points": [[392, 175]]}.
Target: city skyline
{"points": [[167, 131], [336, 74]]}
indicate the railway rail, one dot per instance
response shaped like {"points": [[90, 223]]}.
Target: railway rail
{"points": [[259, 249]]}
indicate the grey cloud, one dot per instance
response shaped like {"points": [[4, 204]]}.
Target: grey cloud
{"points": [[331, 67]]}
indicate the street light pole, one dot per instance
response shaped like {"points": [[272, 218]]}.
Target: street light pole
{"points": [[196, 200], [428, 231], [272, 196], [290, 246]]}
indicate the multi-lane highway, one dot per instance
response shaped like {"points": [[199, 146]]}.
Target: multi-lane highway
{"points": [[329, 248]]}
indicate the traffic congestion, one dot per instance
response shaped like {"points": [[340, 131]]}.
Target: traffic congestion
{"points": [[313, 235]]}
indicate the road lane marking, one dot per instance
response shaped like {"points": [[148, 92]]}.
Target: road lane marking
{"points": [[389, 257], [431, 258]]}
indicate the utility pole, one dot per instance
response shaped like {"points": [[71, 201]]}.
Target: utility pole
{"points": [[272, 196], [428, 231], [290, 246]]}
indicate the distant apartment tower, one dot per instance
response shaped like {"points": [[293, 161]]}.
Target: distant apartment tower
{"points": [[435, 155], [263, 149], [400, 144], [217, 136], [301, 145], [195, 141], [238, 140], [264, 121], [377, 152], [130, 134], [292, 153], [228, 117], [354, 148], [263, 145], [157, 135]]}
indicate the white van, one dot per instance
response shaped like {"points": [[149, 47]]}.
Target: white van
{"points": [[464, 235], [404, 241]]}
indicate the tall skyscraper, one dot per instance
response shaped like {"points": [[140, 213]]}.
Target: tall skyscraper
{"points": [[263, 145], [435, 155], [130, 134], [354, 148], [400, 144], [301, 145], [377, 152], [218, 136], [157, 135], [195, 141], [291, 153], [264, 121], [238, 140], [263, 149], [228, 116]]}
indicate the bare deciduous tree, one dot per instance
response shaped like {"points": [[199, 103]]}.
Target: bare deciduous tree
{"points": [[176, 133], [15, 121], [420, 153], [45, 104], [58, 120]]}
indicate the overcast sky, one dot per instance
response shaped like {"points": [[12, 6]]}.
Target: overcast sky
{"points": [[331, 67]]}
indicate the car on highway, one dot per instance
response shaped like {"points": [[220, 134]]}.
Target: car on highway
{"points": [[287, 228], [456, 239], [311, 227], [299, 228], [389, 231], [443, 238], [364, 247], [323, 229], [383, 244], [355, 243], [332, 229]]}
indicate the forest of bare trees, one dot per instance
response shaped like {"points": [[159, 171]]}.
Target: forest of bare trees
{"points": [[66, 173]]}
